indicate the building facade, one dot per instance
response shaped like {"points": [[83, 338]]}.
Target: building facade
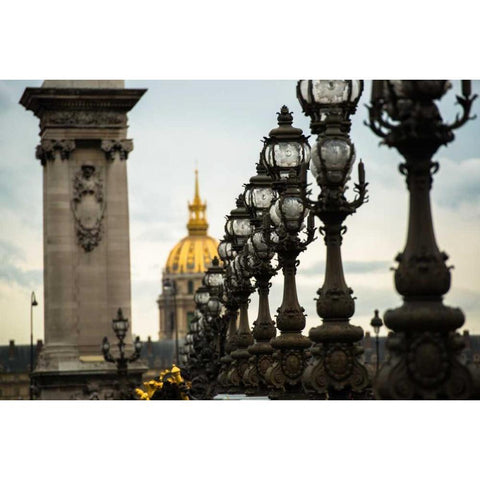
{"points": [[183, 273]]}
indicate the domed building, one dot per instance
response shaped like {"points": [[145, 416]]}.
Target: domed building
{"points": [[186, 264]]}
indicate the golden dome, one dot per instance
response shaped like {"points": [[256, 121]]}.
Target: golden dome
{"points": [[193, 254]]}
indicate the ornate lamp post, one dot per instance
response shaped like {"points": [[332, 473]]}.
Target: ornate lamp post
{"points": [[423, 361], [376, 324], [286, 155], [334, 370], [259, 195], [202, 348], [239, 229], [191, 340], [120, 327], [170, 290], [206, 337], [33, 303], [227, 255], [216, 323]]}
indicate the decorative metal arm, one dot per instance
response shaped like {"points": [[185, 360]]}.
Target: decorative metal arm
{"points": [[136, 354], [466, 104]]}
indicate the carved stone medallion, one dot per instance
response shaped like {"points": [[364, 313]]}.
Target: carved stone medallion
{"points": [[88, 206]]}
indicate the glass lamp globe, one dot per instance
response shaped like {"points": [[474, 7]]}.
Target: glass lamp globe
{"points": [[222, 250], [293, 212], [214, 279], [226, 251], [330, 92], [214, 275], [120, 325], [260, 198], [281, 157], [275, 214], [214, 307], [229, 226], [332, 160], [260, 246], [241, 227], [201, 296]]}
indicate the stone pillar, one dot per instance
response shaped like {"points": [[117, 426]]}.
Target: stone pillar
{"points": [[83, 151]]}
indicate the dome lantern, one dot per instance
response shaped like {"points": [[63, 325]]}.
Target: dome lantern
{"points": [[194, 253]]}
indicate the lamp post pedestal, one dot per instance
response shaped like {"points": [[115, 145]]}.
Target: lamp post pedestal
{"points": [[223, 383], [424, 350], [335, 370], [291, 347], [243, 339], [261, 353]]}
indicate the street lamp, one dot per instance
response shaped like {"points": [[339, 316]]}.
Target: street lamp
{"points": [[239, 229], [424, 347], [170, 290], [33, 303], [214, 281], [120, 328], [227, 255], [334, 370], [376, 324], [206, 338], [286, 154], [259, 196]]}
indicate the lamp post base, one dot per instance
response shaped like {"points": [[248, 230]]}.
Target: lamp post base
{"points": [[284, 377], [335, 371], [424, 361], [261, 359]]}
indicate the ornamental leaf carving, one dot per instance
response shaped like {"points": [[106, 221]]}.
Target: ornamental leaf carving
{"points": [[49, 149], [84, 118], [120, 147]]}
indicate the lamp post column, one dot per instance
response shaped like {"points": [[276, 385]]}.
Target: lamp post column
{"points": [[424, 348], [33, 303], [376, 323]]}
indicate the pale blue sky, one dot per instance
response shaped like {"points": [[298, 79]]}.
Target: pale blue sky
{"points": [[218, 125]]}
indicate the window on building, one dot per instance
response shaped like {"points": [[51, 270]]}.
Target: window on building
{"points": [[190, 287]]}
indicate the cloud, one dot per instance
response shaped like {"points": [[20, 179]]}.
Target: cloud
{"points": [[457, 182], [10, 251], [349, 266], [10, 273]]}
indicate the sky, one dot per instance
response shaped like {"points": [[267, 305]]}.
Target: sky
{"points": [[217, 127]]}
